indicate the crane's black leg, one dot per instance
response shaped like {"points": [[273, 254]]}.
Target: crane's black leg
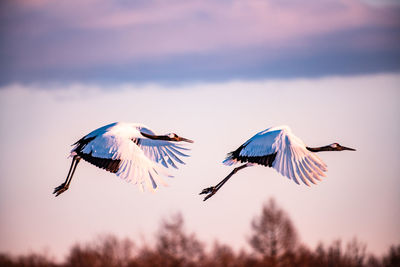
{"points": [[64, 186], [210, 191], [73, 171]]}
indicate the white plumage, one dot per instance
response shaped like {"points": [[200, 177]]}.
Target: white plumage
{"points": [[279, 148], [292, 159], [130, 150]]}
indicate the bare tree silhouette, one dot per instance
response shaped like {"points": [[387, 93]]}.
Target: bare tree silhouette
{"points": [[274, 242], [29, 260], [392, 259], [107, 250], [174, 247], [274, 237], [222, 255]]}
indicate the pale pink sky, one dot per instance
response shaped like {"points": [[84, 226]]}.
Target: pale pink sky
{"points": [[360, 196]]}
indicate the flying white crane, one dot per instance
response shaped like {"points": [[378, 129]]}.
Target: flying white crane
{"points": [[130, 150], [279, 148]]}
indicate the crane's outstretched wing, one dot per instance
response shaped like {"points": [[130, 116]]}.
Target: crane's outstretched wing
{"points": [[280, 149], [120, 154], [165, 152]]}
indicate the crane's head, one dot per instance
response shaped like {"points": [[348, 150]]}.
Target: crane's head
{"points": [[338, 147], [175, 137]]}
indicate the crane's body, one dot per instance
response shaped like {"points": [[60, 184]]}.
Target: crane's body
{"points": [[279, 148], [130, 150]]}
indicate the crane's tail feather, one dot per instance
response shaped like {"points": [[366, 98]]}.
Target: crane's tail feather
{"points": [[229, 160]]}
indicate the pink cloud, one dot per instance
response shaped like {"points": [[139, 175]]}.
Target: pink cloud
{"points": [[108, 32], [193, 26]]}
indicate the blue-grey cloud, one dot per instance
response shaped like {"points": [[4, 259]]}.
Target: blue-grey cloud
{"points": [[150, 41]]}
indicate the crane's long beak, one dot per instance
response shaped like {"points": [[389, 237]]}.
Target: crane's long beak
{"points": [[184, 139], [347, 148]]}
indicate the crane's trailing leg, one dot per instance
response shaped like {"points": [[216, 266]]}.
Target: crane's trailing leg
{"points": [[213, 189], [64, 186]]}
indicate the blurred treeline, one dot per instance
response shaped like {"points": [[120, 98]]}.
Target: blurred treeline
{"points": [[273, 242]]}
